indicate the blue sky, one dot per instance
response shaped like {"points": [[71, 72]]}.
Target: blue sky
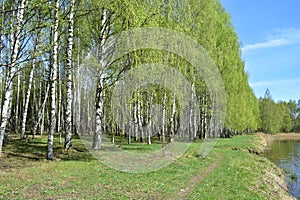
{"points": [[269, 31]]}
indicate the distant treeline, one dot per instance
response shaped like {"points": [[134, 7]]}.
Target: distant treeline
{"points": [[279, 117]]}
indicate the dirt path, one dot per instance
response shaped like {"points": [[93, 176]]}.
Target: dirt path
{"points": [[202, 174]]}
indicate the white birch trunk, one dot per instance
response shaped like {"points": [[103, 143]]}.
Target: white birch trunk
{"points": [[17, 102], [78, 109], [87, 112], [53, 77], [41, 115], [164, 118], [149, 125], [69, 92], [42, 123], [59, 103], [190, 120], [172, 120], [142, 139], [1, 47], [130, 125], [103, 110], [84, 110], [193, 117], [135, 120], [11, 73], [195, 126], [33, 107], [100, 88], [205, 115]]}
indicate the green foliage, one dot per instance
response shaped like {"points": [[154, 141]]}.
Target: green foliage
{"points": [[296, 126], [275, 117], [294, 114]]}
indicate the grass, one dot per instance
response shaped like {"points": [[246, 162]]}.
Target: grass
{"points": [[238, 174]]}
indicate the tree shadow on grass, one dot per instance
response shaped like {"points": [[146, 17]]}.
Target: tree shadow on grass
{"points": [[36, 150]]}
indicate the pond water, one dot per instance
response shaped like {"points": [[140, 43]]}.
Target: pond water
{"points": [[286, 154]]}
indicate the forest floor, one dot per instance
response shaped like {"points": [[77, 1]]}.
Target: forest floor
{"points": [[233, 170]]}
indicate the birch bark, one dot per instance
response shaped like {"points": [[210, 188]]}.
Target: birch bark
{"points": [[69, 92], [53, 78]]}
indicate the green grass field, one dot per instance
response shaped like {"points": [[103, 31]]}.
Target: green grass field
{"points": [[228, 172]]}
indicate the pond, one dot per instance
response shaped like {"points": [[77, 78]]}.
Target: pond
{"points": [[286, 154]]}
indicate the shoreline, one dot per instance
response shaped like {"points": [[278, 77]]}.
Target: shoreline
{"points": [[264, 141], [287, 136]]}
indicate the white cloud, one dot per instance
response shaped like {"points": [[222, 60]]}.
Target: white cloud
{"points": [[274, 82], [279, 37]]}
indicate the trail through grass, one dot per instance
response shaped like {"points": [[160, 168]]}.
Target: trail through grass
{"points": [[228, 172]]}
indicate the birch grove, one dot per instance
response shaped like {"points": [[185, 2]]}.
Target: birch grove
{"points": [[57, 76]]}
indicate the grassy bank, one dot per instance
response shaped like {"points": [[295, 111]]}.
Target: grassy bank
{"points": [[233, 170]]}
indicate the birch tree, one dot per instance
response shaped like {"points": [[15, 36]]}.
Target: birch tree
{"points": [[1, 50], [100, 84], [11, 72], [53, 76], [69, 91]]}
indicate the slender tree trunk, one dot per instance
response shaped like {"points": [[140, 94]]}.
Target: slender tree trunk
{"points": [[53, 77], [164, 118], [130, 125], [11, 73], [193, 119], [149, 125], [142, 139], [135, 124], [33, 107], [69, 92], [1, 47], [205, 116], [41, 115], [78, 102], [74, 105], [77, 90], [172, 120], [85, 109], [104, 123], [17, 101], [59, 99], [42, 105], [7, 131], [190, 120], [88, 121], [114, 121], [38, 106], [25, 111], [195, 126]]}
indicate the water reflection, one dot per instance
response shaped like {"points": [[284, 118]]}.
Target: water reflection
{"points": [[286, 154]]}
